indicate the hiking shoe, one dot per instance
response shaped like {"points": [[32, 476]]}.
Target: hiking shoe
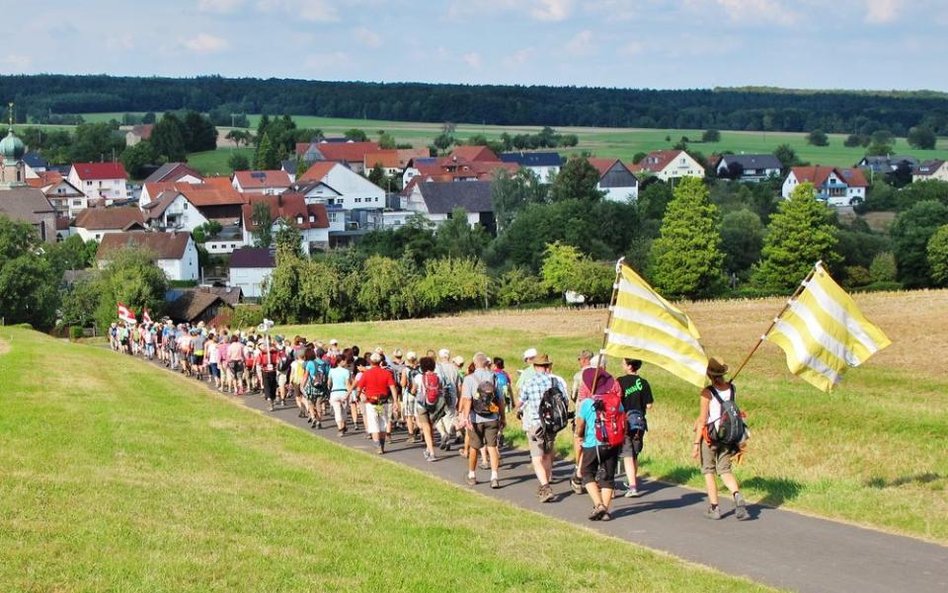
{"points": [[495, 483], [598, 513], [546, 494], [339, 433], [427, 455], [740, 508], [471, 480], [485, 465], [576, 484], [713, 513], [632, 493]]}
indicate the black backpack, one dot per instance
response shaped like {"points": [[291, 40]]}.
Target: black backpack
{"points": [[731, 428], [484, 399], [554, 415]]}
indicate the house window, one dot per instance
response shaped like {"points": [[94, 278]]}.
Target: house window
{"points": [[185, 205], [357, 200], [312, 218], [299, 220]]}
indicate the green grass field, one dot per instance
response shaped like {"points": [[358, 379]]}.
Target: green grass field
{"points": [[119, 476], [872, 453], [214, 162]]}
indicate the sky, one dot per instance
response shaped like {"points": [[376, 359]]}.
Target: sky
{"points": [[664, 44]]}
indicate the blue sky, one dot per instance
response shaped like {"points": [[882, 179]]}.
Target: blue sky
{"points": [[852, 44]]}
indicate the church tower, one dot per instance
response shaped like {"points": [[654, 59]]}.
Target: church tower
{"points": [[11, 151]]}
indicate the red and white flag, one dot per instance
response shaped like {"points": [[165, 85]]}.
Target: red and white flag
{"points": [[126, 314], [146, 318]]}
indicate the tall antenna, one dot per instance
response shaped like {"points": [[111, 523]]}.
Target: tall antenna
{"points": [[11, 114]]}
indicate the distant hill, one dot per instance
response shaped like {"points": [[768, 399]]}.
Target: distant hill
{"points": [[752, 108]]}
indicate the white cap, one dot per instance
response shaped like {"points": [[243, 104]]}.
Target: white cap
{"points": [[411, 355], [529, 353], [334, 342], [444, 353]]}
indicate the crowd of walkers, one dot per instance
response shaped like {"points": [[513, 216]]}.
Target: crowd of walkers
{"points": [[443, 403]]}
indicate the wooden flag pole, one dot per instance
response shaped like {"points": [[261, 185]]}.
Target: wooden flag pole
{"points": [[763, 336], [605, 334]]}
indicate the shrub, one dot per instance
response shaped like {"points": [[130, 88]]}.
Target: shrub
{"points": [[883, 267], [75, 333], [247, 316]]}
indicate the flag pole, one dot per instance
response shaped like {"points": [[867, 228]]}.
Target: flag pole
{"points": [[605, 334], [763, 336]]}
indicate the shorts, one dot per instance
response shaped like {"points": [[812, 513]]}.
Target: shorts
{"points": [[535, 445], [214, 370], [281, 380], [376, 417], [408, 405], [633, 445], [599, 465], [484, 434], [269, 386], [197, 359], [715, 459], [235, 367]]}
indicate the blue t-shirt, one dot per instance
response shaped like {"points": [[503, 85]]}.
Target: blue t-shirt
{"points": [[339, 377], [587, 412]]}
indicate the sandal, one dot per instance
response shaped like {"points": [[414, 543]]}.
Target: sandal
{"points": [[598, 513]]}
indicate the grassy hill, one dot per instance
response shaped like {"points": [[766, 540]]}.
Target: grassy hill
{"points": [[871, 453], [120, 476]]}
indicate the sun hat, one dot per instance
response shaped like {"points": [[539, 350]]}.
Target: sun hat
{"points": [[542, 360], [529, 353], [458, 360], [411, 355], [716, 367], [604, 381], [444, 353]]}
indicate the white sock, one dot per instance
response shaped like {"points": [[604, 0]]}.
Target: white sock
{"points": [[493, 475]]}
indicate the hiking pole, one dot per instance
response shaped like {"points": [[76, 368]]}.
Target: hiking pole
{"points": [[763, 336]]}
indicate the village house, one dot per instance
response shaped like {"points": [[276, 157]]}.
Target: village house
{"points": [[835, 185], [931, 170], [175, 173], [185, 207], [136, 134], [250, 268], [351, 154], [92, 224], [18, 201], [616, 181], [100, 180], [290, 209], [546, 165], [437, 200], [750, 168], [668, 164], [194, 305], [64, 196], [264, 182], [175, 253], [343, 192]]}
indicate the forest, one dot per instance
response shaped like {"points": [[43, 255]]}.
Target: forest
{"points": [[39, 97]]}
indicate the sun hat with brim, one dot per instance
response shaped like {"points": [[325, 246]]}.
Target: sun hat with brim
{"points": [[542, 360], [604, 381], [529, 353], [716, 367]]}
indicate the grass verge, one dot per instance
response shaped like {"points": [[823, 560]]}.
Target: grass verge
{"points": [[121, 477]]}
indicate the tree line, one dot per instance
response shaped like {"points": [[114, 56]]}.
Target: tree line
{"points": [[729, 109]]}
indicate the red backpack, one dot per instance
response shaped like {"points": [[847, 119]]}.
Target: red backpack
{"points": [[611, 420], [432, 386]]}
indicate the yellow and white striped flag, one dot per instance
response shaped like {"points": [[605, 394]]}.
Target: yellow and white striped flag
{"points": [[647, 327], [822, 332]]}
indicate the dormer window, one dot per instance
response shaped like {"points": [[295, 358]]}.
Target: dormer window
{"points": [[299, 220], [312, 218]]}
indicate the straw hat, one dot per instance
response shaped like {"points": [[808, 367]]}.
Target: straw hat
{"points": [[716, 367], [542, 360]]}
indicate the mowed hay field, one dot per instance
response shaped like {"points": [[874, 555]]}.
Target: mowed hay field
{"points": [[873, 452], [120, 476]]}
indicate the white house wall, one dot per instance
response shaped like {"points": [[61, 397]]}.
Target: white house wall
{"points": [[250, 280]]}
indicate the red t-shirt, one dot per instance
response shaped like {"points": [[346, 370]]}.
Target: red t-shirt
{"points": [[376, 383]]}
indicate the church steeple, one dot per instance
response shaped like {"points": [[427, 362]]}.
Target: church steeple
{"points": [[12, 150]]}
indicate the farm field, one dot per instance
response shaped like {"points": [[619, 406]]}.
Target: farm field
{"points": [[871, 453], [121, 476], [622, 143]]}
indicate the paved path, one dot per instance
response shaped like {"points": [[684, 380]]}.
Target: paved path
{"points": [[776, 547]]}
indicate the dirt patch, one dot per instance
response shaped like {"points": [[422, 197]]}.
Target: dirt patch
{"points": [[4, 347]]}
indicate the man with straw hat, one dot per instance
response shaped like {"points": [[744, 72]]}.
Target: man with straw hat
{"points": [[541, 452], [716, 458]]}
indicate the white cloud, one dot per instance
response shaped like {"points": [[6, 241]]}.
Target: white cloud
{"points": [[317, 11], [551, 10], [205, 43], [219, 6], [881, 12], [473, 60], [368, 37], [521, 56], [748, 12], [581, 43]]}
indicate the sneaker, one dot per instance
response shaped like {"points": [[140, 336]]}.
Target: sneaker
{"points": [[632, 493], [740, 507], [576, 484], [547, 493], [427, 455], [471, 480], [713, 513], [495, 484]]}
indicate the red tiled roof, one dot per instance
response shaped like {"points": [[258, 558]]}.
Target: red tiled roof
{"points": [[164, 245], [656, 161], [200, 194], [603, 165], [818, 174], [105, 219], [317, 171], [352, 152], [220, 182], [288, 206], [384, 158], [455, 168], [143, 131], [45, 178], [475, 153], [262, 179], [87, 171]]}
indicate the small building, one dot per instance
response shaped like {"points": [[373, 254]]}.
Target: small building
{"points": [[291, 209], [27, 204], [175, 173], [250, 268], [931, 170], [437, 200], [92, 224], [616, 181], [265, 182], [138, 133], [194, 305], [887, 163], [751, 168], [65, 198], [668, 164], [100, 180], [546, 165], [836, 186], [175, 253]]}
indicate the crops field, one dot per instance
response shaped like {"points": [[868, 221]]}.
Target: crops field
{"points": [[872, 453]]}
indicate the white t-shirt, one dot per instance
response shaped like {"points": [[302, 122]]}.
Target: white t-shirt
{"points": [[714, 409]]}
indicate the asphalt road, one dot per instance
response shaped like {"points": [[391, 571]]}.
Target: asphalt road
{"points": [[775, 546]]}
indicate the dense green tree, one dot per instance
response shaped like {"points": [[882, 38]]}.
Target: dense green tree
{"points": [[356, 135], [148, 118], [920, 191], [453, 284], [168, 138], [238, 162], [711, 135], [518, 286], [132, 278], [263, 222], [319, 291], [71, 254], [561, 263], [910, 233], [137, 158], [922, 137], [686, 259], [456, 238], [267, 158], [80, 301], [16, 239], [199, 133], [281, 299], [800, 234], [239, 137], [510, 193], [937, 253], [28, 291], [386, 141], [443, 141], [742, 239], [382, 292], [883, 267], [289, 240], [94, 143], [817, 138], [787, 156], [577, 180]]}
